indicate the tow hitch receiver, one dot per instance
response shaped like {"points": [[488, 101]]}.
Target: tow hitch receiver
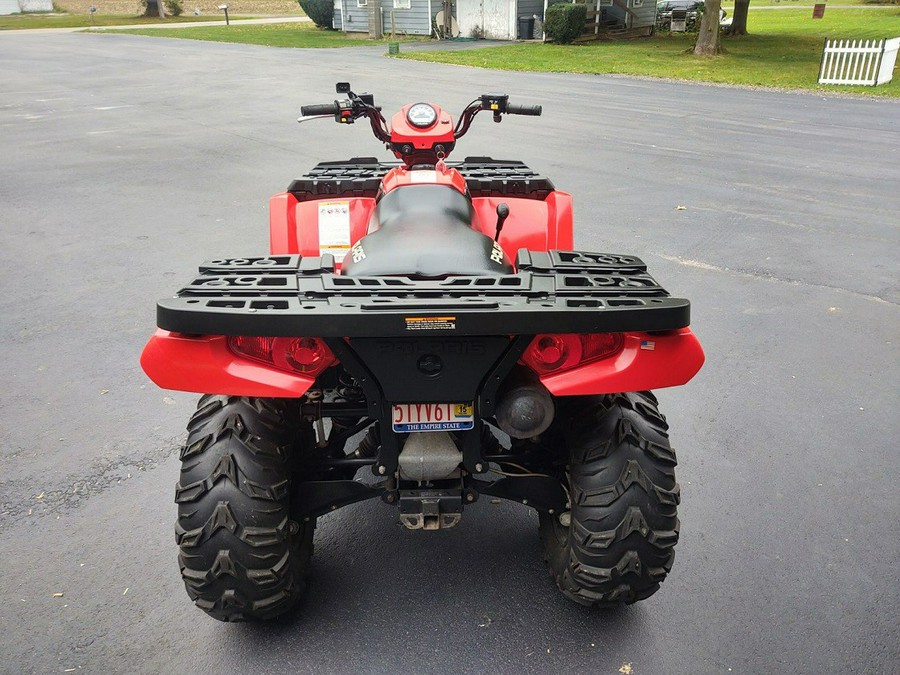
{"points": [[432, 508]]}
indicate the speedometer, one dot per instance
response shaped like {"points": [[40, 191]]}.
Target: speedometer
{"points": [[421, 115]]}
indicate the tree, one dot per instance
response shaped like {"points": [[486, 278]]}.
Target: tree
{"points": [[320, 11], [739, 18], [709, 39]]}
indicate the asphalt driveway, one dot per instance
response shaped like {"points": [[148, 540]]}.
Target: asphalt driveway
{"points": [[129, 160]]}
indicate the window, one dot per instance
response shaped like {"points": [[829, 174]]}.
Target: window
{"points": [[362, 3], [402, 4], [637, 3], [604, 3]]}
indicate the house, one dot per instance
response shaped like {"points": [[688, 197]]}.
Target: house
{"points": [[626, 17], [17, 6], [497, 19], [502, 19], [491, 19], [401, 17]]}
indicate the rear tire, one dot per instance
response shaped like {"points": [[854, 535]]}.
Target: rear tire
{"points": [[618, 543], [242, 555]]}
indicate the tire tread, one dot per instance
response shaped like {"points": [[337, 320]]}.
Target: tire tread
{"points": [[620, 544], [242, 556]]}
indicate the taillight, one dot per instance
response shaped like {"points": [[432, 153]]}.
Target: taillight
{"points": [[563, 351], [305, 355]]}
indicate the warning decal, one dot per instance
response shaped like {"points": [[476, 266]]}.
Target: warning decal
{"points": [[431, 323], [334, 229]]}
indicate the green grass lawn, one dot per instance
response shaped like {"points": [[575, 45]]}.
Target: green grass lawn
{"points": [[756, 4], [783, 50], [269, 35], [20, 21]]}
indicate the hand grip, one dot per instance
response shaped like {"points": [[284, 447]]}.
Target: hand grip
{"points": [[319, 109], [521, 109]]}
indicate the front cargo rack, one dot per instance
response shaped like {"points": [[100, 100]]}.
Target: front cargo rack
{"points": [[361, 177], [554, 292]]}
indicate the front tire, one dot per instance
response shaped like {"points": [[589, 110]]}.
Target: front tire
{"points": [[616, 544], [242, 555]]}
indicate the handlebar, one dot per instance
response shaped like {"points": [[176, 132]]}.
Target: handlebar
{"points": [[522, 109], [358, 106], [319, 109]]}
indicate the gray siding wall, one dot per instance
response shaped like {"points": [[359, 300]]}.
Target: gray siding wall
{"points": [[415, 20], [412, 21], [356, 19], [646, 15], [617, 13]]}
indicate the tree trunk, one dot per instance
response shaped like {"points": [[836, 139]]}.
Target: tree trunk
{"points": [[155, 8], [709, 42], [739, 18]]}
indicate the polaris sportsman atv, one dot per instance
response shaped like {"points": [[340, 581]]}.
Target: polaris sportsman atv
{"points": [[436, 311]]}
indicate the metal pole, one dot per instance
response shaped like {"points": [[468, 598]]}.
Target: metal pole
{"points": [[226, 17]]}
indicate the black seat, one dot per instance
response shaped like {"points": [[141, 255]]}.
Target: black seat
{"points": [[424, 230]]}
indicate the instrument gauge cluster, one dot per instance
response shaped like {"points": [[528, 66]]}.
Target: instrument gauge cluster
{"points": [[421, 115]]}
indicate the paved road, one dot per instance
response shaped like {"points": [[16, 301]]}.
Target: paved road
{"points": [[181, 24], [129, 160]]}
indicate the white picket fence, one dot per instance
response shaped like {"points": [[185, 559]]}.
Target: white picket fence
{"points": [[868, 62]]}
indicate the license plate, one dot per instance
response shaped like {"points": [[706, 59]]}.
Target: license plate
{"points": [[409, 417]]}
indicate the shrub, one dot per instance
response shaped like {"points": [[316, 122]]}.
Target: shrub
{"points": [[174, 7], [564, 22], [320, 11]]}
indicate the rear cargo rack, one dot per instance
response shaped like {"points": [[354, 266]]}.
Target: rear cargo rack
{"points": [[554, 292]]}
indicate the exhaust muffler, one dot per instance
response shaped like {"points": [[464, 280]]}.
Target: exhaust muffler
{"points": [[525, 408]]}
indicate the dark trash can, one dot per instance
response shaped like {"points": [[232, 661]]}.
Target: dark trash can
{"points": [[526, 27]]}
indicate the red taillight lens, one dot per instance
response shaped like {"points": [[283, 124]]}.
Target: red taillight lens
{"points": [[554, 353], [257, 348], [309, 356]]}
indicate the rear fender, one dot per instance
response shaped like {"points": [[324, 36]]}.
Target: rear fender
{"points": [[318, 226], [538, 225], [205, 365], [646, 361]]}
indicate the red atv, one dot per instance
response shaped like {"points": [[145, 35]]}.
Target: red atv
{"points": [[425, 320]]}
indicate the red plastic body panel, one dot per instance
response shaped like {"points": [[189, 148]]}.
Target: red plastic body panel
{"points": [[645, 362], [440, 175], [422, 139], [294, 225], [532, 224], [205, 365]]}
